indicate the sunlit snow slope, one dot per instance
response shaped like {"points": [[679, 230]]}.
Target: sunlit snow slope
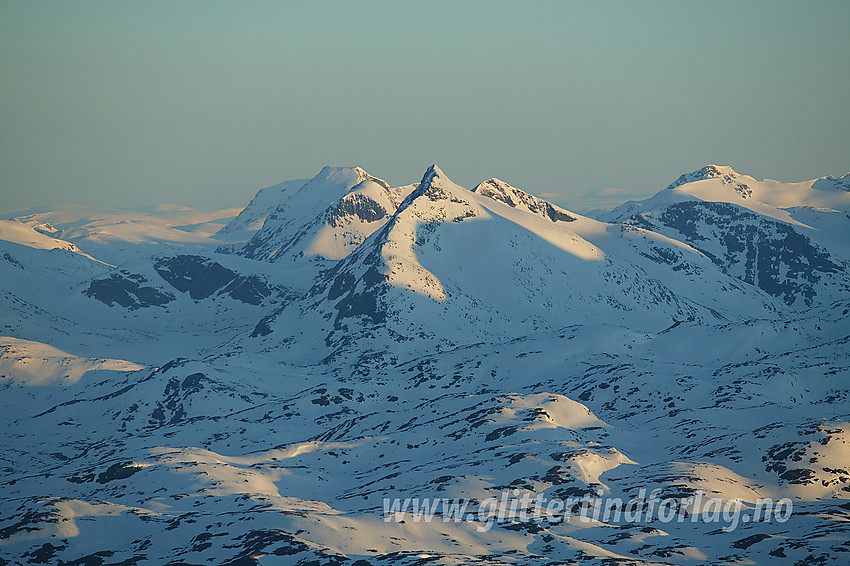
{"points": [[247, 387]]}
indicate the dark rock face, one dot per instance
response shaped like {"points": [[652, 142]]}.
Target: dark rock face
{"points": [[331, 199], [769, 254], [10, 259], [198, 276], [512, 197], [127, 290], [365, 303], [202, 278], [263, 328], [356, 205], [829, 182], [556, 215], [250, 290], [278, 241], [118, 472], [194, 275], [355, 296]]}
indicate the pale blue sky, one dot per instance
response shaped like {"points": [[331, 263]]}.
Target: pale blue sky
{"points": [[203, 103]]}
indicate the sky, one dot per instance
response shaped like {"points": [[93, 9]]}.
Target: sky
{"points": [[133, 104]]}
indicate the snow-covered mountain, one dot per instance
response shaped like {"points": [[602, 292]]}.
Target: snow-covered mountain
{"points": [[229, 387], [253, 216], [327, 217], [789, 240], [452, 266]]}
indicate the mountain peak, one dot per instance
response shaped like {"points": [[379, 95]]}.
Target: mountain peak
{"points": [[335, 173], [501, 191], [432, 172], [842, 183], [707, 172], [492, 183], [435, 184]]}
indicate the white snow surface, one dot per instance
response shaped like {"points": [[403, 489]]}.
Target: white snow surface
{"points": [[226, 387]]}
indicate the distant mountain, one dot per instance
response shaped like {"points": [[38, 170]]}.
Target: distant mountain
{"points": [[263, 386], [253, 216], [452, 266], [768, 234], [118, 235], [39, 237], [327, 217], [515, 198]]}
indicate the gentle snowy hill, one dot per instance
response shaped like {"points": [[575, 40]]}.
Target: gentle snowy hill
{"points": [[33, 363], [38, 237], [244, 389], [116, 235]]}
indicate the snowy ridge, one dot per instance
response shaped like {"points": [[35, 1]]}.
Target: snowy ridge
{"points": [[779, 237], [436, 200], [251, 395], [327, 217], [36, 237], [708, 172], [116, 236], [426, 277], [33, 363], [767, 197], [253, 216], [503, 192]]}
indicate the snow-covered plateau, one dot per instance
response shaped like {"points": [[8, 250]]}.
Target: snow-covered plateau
{"points": [[317, 378]]}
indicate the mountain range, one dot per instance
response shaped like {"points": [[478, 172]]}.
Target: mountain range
{"points": [[247, 386]]}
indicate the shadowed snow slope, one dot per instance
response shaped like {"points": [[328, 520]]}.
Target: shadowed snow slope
{"points": [[453, 266], [788, 239], [330, 375], [328, 216]]}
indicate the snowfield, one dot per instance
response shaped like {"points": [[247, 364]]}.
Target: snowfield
{"points": [[349, 373]]}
